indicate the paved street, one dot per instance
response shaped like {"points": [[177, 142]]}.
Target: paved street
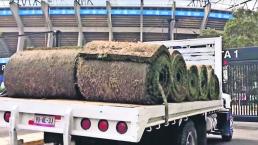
{"points": [[27, 136], [244, 134]]}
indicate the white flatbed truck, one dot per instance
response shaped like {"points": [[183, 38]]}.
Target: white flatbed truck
{"points": [[82, 122]]}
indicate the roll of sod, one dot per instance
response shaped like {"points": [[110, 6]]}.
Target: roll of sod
{"points": [[42, 74], [203, 82], [213, 84], [122, 72], [193, 83], [179, 86]]}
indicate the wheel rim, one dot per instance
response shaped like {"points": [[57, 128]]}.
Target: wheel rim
{"points": [[190, 139]]}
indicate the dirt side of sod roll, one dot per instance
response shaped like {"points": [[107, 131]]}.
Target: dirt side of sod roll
{"points": [[42, 74], [203, 82], [179, 85], [193, 83], [213, 84], [122, 72]]}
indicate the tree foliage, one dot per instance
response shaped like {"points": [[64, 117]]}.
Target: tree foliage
{"points": [[206, 33], [242, 31]]}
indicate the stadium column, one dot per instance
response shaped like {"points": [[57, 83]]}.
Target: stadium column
{"points": [[3, 45], [45, 9], [207, 10], [110, 28], [77, 9], [21, 39], [141, 21], [172, 21]]}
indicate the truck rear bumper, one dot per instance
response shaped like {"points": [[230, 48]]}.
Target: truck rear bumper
{"points": [[68, 115]]}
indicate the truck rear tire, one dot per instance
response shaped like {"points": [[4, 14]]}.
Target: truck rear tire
{"points": [[188, 134], [226, 138], [200, 126]]}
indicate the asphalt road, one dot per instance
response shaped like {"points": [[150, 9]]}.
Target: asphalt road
{"points": [[245, 133]]}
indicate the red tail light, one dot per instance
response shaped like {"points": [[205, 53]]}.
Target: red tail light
{"points": [[103, 125], [121, 127], [7, 116], [85, 123]]}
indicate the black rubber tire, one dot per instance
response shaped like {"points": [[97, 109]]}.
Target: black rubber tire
{"points": [[200, 126], [187, 134], [226, 138]]}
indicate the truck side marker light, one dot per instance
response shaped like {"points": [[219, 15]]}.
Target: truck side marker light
{"points": [[121, 127], [7, 116], [103, 125]]}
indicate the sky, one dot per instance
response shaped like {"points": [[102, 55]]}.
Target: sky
{"points": [[216, 4]]}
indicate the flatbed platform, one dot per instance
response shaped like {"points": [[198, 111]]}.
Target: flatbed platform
{"points": [[71, 112]]}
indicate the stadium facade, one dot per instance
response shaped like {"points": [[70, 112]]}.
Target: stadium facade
{"points": [[37, 26]]}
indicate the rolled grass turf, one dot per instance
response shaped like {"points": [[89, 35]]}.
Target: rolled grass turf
{"points": [[123, 72], [42, 74], [179, 85], [203, 82], [193, 83], [116, 72], [213, 84]]}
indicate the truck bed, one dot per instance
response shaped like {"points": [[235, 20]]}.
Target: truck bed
{"points": [[71, 112]]}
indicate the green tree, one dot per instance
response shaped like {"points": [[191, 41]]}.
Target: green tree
{"points": [[206, 33], [242, 31]]}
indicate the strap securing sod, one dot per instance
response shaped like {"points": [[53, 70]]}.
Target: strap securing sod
{"points": [[3, 93], [165, 103]]}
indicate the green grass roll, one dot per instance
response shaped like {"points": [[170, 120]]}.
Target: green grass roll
{"points": [[203, 82], [193, 83], [42, 74], [122, 72], [179, 86], [213, 84]]}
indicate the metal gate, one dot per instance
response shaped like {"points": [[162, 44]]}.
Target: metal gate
{"points": [[240, 80]]}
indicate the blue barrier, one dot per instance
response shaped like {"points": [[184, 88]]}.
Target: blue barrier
{"points": [[102, 11], [220, 15], [4, 60], [26, 12], [94, 11], [1, 79]]}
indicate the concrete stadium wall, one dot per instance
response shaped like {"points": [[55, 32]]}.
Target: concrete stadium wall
{"points": [[125, 24]]}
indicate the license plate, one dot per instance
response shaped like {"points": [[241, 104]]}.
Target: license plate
{"points": [[44, 120]]}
